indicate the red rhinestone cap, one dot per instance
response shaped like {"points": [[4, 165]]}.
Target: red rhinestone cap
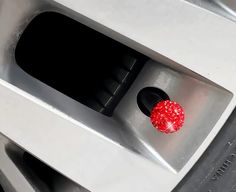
{"points": [[167, 116]]}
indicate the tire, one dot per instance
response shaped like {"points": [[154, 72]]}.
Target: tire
{"points": [[216, 169]]}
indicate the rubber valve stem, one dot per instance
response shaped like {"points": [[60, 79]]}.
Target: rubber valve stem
{"points": [[165, 115]]}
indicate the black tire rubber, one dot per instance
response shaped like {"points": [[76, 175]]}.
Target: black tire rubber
{"points": [[215, 171]]}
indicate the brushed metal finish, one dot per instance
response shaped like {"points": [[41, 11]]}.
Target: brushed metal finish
{"points": [[98, 153], [226, 8], [130, 120], [203, 104], [16, 176], [11, 179], [13, 74]]}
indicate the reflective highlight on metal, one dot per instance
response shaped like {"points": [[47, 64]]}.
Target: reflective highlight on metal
{"points": [[196, 48]]}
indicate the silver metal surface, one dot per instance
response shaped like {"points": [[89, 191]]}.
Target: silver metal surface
{"points": [[96, 151], [130, 128], [201, 104], [17, 176], [226, 8], [11, 179], [13, 74]]}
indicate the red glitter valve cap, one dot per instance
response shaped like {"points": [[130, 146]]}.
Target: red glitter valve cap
{"points": [[167, 116]]}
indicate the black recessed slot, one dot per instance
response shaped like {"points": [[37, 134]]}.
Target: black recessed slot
{"points": [[49, 176], [148, 97], [1, 189], [78, 61], [40, 176]]}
